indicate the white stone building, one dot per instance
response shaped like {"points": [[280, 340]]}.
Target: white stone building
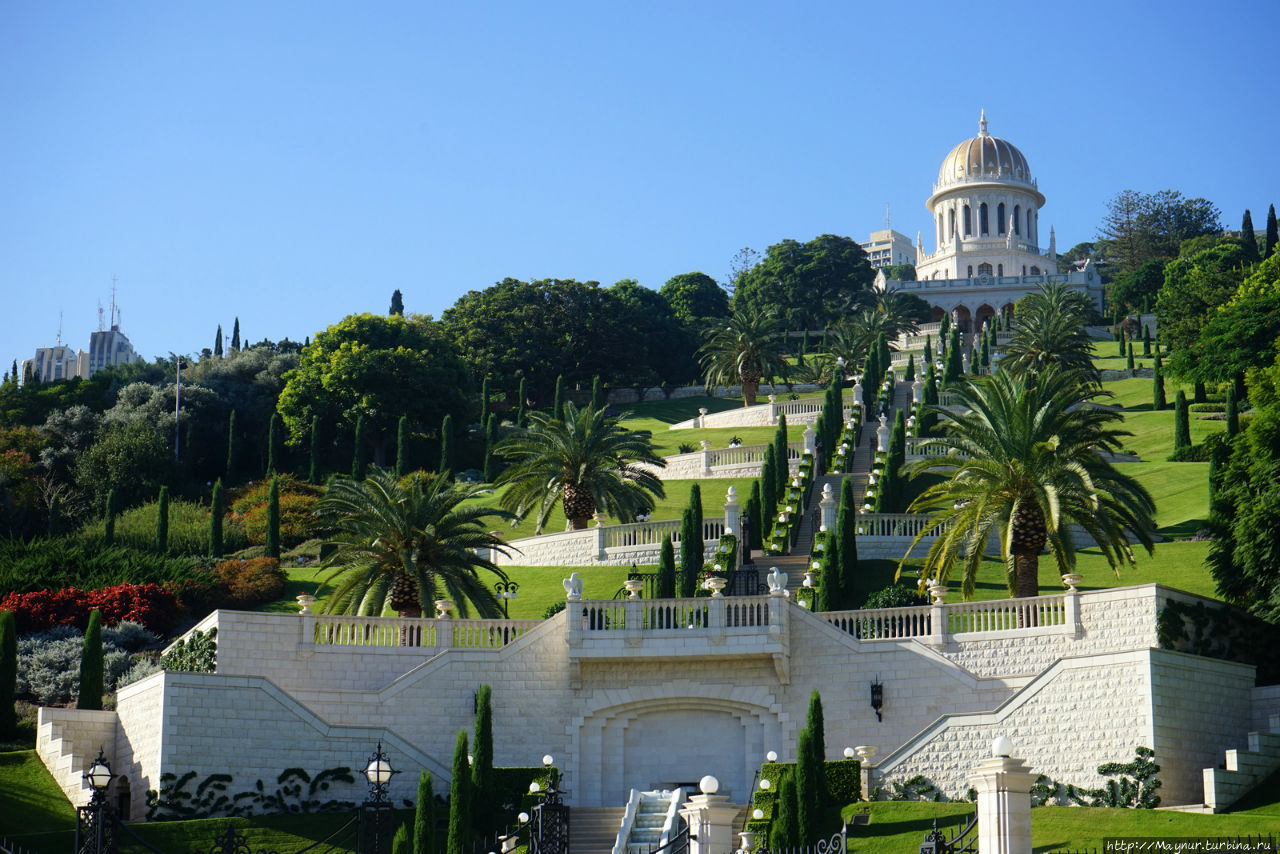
{"points": [[52, 363], [888, 248], [654, 693], [986, 214]]}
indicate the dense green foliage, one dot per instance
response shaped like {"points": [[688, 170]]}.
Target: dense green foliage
{"points": [[460, 829], [89, 693], [811, 283], [44, 564], [746, 347], [8, 675], [484, 813]]}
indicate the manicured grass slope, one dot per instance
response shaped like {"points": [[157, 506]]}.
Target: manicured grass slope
{"points": [[33, 809]]}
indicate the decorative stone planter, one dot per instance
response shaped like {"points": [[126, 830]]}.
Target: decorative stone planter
{"points": [[306, 600], [939, 593], [444, 609], [1071, 580], [748, 841], [865, 753], [634, 586], [716, 584]]}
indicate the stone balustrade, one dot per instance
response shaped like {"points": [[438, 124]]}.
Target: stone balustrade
{"points": [[938, 624], [442, 634]]}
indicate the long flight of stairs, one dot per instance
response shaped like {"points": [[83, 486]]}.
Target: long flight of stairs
{"points": [[594, 830]]}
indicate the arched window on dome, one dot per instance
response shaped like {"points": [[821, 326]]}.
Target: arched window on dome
{"points": [[951, 224], [1024, 269], [1035, 271], [999, 269], [984, 226], [1017, 219], [968, 222], [984, 269], [1031, 229], [1000, 218]]}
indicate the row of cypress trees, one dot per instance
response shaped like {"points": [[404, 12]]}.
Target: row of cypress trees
{"points": [[797, 821]]}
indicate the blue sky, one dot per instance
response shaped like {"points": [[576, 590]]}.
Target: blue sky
{"points": [[291, 163]]}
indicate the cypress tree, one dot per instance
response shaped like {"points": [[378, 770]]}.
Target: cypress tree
{"points": [[984, 357], [817, 734], [557, 402], [1146, 340], [484, 402], [273, 444], [459, 841], [781, 456], [216, 512], [273, 519], [1249, 239], [217, 342], [955, 362], [483, 814], [784, 833], [1273, 235], [359, 452], [402, 447], [8, 676], [233, 460], [804, 344], [768, 492], [910, 375], [1129, 361], [929, 417], [446, 444], [1233, 413], [928, 349], [162, 521], [667, 570], [109, 526], [885, 359], [1199, 393], [1158, 401], [754, 509], [833, 569], [944, 329], [90, 691], [807, 793], [1181, 424], [397, 303], [424, 816], [695, 504], [55, 517], [597, 394], [313, 465], [690, 554], [847, 549], [235, 335], [490, 440], [521, 396], [401, 843], [896, 460], [1120, 341]]}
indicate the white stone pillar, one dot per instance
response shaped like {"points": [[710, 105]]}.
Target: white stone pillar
{"points": [[710, 817], [828, 507], [917, 391], [882, 436], [702, 417], [706, 457], [857, 389], [733, 515], [810, 439], [1004, 801]]}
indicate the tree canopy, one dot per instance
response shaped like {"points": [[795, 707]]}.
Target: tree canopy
{"points": [[1139, 227], [1193, 287], [380, 368], [1242, 334], [695, 297], [809, 284]]}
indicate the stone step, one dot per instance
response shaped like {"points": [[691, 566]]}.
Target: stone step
{"points": [[594, 830]]}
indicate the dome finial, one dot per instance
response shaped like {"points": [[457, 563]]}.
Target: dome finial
{"points": [[982, 124]]}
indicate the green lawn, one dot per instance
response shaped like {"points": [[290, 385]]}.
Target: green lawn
{"points": [[33, 810]]}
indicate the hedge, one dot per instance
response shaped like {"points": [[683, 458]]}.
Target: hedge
{"points": [[44, 564]]}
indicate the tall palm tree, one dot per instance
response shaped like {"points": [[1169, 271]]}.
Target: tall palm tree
{"points": [[744, 347], [1049, 329], [400, 543], [587, 461], [1032, 465]]}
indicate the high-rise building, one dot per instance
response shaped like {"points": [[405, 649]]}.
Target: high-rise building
{"points": [[52, 363], [108, 347], [889, 248]]}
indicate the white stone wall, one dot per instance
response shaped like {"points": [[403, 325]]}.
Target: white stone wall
{"points": [[68, 740], [140, 713], [1266, 704]]}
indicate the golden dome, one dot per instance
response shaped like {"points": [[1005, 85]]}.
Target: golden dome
{"points": [[984, 158]]}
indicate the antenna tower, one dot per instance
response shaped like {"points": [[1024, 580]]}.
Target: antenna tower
{"points": [[886, 215], [59, 339], [115, 322], [101, 328]]}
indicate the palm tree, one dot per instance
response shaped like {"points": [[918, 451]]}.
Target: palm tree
{"points": [[401, 543], [586, 461], [744, 347], [1050, 330], [1028, 462]]}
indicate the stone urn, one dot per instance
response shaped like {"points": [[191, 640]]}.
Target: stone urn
{"points": [[634, 586], [748, 841], [444, 608], [939, 593], [865, 753], [716, 585], [1070, 579], [306, 600]]}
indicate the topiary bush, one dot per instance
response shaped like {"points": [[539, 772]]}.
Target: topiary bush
{"points": [[297, 518], [250, 582], [896, 596]]}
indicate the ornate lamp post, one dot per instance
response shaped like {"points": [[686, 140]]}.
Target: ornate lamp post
{"points": [[96, 822], [506, 591], [376, 816], [549, 824]]}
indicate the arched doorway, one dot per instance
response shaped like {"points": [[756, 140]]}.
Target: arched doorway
{"points": [[982, 315], [935, 316], [963, 318]]}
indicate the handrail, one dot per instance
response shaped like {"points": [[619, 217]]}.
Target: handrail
{"points": [[341, 630]]}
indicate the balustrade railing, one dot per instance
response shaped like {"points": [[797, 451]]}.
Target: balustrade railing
{"points": [[917, 447], [661, 614], [653, 533], [799, 407], [899, 525], [743, 454], [1004, 614], [882, 623], [335, 630]]}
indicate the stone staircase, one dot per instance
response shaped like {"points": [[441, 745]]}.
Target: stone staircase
{"points": [[594, 830], [651, 815], [1243, 769], [68, 747]]}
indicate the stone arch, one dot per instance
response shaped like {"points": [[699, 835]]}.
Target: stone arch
{"points": [[983, 314], [617, 746], [935, 315], [963, 318]]}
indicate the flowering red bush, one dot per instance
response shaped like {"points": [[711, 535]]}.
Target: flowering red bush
{"points": [[148, 604]]}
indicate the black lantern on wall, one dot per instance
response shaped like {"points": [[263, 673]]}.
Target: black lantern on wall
{"points": [[877, 699]]}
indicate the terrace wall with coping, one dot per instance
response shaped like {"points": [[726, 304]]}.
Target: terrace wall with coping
{"points": [[620, 708]]}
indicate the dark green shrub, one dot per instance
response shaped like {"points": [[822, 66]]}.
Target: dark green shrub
{"points": [[844, 781], [898, 595], [459, 841], [483, 815], [273, 520], [162, 521], [89, 695], [43, 564], [424, 816], [8, 675]]}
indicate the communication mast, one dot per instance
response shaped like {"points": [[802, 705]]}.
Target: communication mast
{"points": [[59, 339]]}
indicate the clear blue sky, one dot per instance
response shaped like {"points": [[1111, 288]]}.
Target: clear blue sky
{"points": [[290, 163]]}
